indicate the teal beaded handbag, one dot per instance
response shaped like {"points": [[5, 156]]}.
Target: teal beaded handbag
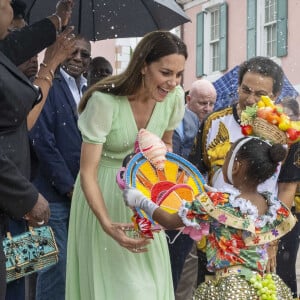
{"points": [[29, 252]]}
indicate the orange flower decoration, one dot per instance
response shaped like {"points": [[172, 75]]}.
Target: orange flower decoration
{"points": [[283, 211], [256, 240], [218, 197]]}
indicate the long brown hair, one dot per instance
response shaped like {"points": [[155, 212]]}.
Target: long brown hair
{"points": [[151, 48]]}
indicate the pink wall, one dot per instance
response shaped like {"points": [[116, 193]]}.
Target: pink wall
{"points": [[237, 35], [188, 35], [291, 63], [106, 49]]}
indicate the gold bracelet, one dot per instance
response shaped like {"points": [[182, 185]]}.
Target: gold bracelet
{"points": [[46, 78], [42, 64]]}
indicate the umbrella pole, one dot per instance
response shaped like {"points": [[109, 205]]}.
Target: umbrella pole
{"points": [[94, 23], [29, 11], [79, 17]]}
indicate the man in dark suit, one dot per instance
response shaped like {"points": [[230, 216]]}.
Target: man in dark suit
{"points": [[57, 142], [53, 56], [18, 197]]}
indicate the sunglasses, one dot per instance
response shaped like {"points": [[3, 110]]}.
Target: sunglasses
{"points": [[84, 54]]}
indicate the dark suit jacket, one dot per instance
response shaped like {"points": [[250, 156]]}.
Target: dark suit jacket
{"points": [[183, 146], [17, 96], [56, 140]]}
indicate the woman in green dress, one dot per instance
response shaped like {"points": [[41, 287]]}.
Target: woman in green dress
{"points": [[102, 261]]}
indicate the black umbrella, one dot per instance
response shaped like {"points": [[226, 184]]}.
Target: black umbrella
{"points": [[107, 19]]}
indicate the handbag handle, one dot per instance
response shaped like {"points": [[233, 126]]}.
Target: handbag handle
{"points": [[9, 236]]}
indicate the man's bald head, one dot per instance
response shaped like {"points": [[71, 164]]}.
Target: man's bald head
{"points": [[201, 98]]}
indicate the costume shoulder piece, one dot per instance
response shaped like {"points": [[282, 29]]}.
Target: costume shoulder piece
{"points": [[215, 116], [257, 229], [216, 138], [284, 222], [217, 206]]}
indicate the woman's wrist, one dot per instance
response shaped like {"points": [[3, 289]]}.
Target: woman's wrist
{"points": [[45, 73], [46, 70], [44, 78], [56, 20]]}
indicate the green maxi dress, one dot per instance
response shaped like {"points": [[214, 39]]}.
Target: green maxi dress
{"points": [[98, 268]]}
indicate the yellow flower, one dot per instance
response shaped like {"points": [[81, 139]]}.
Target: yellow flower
{"points": [[260, 104], [267, 101]]}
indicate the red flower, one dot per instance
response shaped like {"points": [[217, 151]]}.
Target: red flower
{"points": [[230, 249], [234, 245], [256, 240], [190, 215], [283, 211], [218, 197], [143, 225]]}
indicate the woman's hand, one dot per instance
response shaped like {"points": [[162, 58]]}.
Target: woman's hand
{"points": [[64, 11], [54, 56], [89, 163], [167, 139], [118, 232], [61, 49]]}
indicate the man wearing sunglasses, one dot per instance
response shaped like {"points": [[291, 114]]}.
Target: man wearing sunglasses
{"points": [[57, 143]]}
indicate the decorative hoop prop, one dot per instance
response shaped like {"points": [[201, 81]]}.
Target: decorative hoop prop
{"points": [[178, 180], [141, 174]]}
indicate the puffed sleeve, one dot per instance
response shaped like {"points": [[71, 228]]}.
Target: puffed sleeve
{"points": [[96, 120], [192, 213], [177, 108]]}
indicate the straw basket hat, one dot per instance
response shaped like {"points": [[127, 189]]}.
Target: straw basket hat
{"points": [[268, 131]]}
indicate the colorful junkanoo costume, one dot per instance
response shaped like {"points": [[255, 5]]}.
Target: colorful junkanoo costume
{"points": [[237, 242]]}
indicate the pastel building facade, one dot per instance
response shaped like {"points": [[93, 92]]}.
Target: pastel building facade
{"points": [[223, 33]]}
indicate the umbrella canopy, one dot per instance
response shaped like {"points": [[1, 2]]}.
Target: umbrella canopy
{"points": [[227, 86], [107, 19]]}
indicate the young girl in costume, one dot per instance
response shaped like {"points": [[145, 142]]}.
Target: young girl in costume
{"points": [[243, 224]]}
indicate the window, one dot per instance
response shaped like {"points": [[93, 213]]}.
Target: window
{"points": [[211, 40], [267, 28], [270, 28], [214, 39]]}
